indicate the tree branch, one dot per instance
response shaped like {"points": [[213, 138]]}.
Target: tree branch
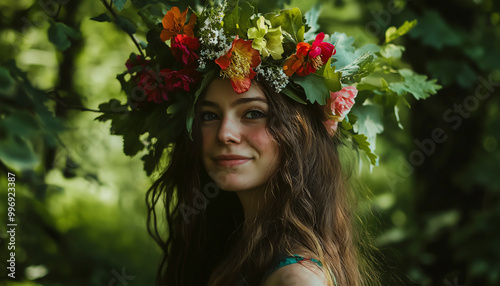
{"points": [[59, 99], [110, 9]]}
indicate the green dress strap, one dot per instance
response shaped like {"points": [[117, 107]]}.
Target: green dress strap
{"points": [[287, 260]]}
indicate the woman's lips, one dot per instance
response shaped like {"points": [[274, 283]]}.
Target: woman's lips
{"points": [[231, 160]]}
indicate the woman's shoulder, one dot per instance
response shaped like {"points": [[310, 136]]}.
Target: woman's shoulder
{"points": [[298, 274], [297, 271]]}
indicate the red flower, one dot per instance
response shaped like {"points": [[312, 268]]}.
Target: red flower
{"points": [[157, 86], [154, 85], [138, 61], [184, 47], [174, 23], [181, 80], [238, 64], [309, 59]]}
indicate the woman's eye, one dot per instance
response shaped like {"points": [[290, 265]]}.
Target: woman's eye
{"points": [[208, 116], [255, 114]]}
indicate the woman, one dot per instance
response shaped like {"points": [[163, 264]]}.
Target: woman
{"points": [[282, 194]]}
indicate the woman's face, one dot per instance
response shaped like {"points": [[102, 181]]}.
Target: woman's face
{"points": [[238, 151]]}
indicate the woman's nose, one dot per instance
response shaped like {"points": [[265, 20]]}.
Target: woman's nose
{"points": [[229, 131]]}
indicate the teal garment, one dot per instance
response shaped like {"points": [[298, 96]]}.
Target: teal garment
{"points": [[292, 260]]}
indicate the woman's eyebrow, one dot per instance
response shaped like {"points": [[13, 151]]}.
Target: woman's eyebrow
{"points": [[236, 102]]}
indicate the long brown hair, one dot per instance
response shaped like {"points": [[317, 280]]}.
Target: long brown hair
{"points": [[309, 210]]}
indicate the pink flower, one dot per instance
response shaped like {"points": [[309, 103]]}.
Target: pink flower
{"points": [[331, 126], [341, 102], [338, 105], [184, 47]]}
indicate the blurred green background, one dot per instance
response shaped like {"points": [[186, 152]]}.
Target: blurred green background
{"points": [[432, 206]]}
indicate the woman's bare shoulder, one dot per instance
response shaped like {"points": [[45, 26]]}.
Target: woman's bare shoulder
{"points": [[299, 274]]}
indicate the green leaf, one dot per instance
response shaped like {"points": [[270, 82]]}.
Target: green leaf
{"points": [[239, 20], [451, 71], [416, 84], [312, 17], [392, 33], [364, 145], [119, 4], [152, 158], [288, 91], [344, 51], [314, 86], [7, 83], [101, 18], [207, 79], [59, 35], [346, 125], [18, 153], [433, 31], [151, 15], [358, 69], [332, 78], [369, 122], [22, 123], [396, 114], [291, 22], [112, 109], [392, 51], [130, 126], [125, 24]]}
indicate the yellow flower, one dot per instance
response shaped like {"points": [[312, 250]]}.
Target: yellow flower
{"points": [[268, 41]]}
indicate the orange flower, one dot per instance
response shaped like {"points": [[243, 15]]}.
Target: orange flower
{"points": [[309, 58], [174, 23], [238, 64]]}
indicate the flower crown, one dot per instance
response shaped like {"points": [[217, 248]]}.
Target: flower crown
{"points": [[184, 54]]}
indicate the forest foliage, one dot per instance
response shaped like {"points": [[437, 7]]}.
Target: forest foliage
{"points": [[431, 204]]}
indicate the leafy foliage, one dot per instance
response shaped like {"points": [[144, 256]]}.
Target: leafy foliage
{"points": [[417, 85], [60, 35], [434, 223], [314, 86], [291, 23], [26, 120]]}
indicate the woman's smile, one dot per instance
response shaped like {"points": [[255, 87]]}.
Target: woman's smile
{"points": [[231, 160]]}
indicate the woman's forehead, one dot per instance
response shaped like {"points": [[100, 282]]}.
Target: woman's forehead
{"points": [[221, 91]]}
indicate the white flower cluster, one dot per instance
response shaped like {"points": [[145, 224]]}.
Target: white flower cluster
{"points": [[275, 76], [212, 38]]}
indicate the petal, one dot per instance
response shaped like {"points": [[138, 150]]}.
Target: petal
{"points": [[224, 61], [287, 66], [302, 49], [168, 20], [188, 29], [252, 33], [166, 35], [319, 38], [314, 53], [241, 85], [182, 17]]}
